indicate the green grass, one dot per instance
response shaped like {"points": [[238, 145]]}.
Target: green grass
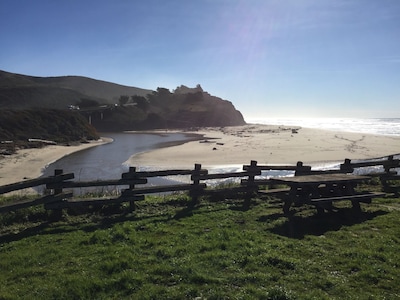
{"points": [[215, 250]]}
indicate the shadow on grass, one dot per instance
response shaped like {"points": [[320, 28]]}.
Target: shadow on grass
{"points": [[299, 226], [294, 227], [27, 232], [94, 220]]}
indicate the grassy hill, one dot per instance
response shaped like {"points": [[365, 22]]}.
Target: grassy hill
{"points": [[21, 91], [215, 250], [46, 97], [53, 125]]}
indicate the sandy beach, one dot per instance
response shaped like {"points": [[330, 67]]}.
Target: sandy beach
{"points": [[29, 163], [269, 144]]}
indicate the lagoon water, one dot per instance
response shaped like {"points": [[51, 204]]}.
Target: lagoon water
{"points": [[108, 161]]}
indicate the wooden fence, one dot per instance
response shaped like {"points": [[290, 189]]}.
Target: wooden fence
{"points": [[61, 196]]}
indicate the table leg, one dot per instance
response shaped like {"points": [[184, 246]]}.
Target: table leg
{"points": [[286, 206], [320, 209], [289, 200], [356, 205], [349, 188]]}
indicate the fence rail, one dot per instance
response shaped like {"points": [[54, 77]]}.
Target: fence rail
{"points": [[34, 182], [61, 197]]}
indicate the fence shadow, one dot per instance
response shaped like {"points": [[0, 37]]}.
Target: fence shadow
{"points": [[297, 226], [27, 232], [98, 219]]}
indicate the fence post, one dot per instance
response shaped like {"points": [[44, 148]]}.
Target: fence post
{"points": [[195, 191], [132, 170], [301, 169], [346, 166], [387, 165], [250, 183], [56, 214]]}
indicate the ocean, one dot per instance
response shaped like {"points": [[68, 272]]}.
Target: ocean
{"points": [[380, 126]]}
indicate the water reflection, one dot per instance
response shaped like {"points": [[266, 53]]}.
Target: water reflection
{"points": [[107, 161]]}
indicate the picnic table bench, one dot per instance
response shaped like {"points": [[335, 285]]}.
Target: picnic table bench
{"points": [[323, 189], [388, 185]]}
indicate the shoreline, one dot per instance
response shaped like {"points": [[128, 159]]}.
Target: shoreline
{"points": [[222, 147], [29, 163], [268, 144]]}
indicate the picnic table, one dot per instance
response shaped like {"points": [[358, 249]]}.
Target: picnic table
{"points": [[323, 189]]}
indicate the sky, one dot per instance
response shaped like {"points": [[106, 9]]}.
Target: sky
{"points": [[270, 58]]}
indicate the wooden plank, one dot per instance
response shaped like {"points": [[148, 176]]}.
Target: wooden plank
{"points": [[274, 191], [80, 184], [268, 182], [389, 163], [161, 173], [349, 197], [34, 182], [271, 168], [43, 200], [323, 172], [274, 180], [163, 189], [320, 178], [224, 175], [92, 201]]}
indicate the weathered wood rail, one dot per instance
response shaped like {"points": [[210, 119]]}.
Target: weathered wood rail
{"points": [[388, 165], [60, 186], [387, 177]]}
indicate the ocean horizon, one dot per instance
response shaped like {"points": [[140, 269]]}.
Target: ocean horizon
{"points": [[379, 126]]}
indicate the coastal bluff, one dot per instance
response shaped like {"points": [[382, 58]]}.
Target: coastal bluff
{"points": [[112, 107]]}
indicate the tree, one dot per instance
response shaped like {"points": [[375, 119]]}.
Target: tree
{"points": [[194, 97], [163, 93], [141, 102], [85, 103], [123, 100]]}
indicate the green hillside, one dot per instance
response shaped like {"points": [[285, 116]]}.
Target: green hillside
{"points": [[21, 91], [57, 126], [46, 97]]}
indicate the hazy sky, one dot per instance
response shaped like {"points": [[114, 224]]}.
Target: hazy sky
{"points": [[270, 58]]}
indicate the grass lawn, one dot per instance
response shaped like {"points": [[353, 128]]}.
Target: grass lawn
{"points": [[215, 250]]}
